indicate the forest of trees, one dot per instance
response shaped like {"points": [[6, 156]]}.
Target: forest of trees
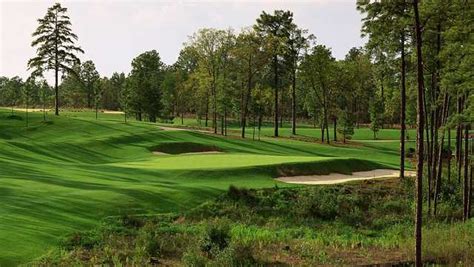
{"points": [[275, 71], [416, 69]]}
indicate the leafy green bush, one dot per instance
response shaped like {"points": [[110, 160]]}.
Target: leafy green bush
{"points": [[365, 222], [237, 254], [216, 237], [241, 194], [194, 258], [86, 240]]}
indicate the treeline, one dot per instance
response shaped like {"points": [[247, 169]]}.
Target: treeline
{"points": [[439, 35], [271, 70], [416, 70], [443, 73], [276, 70]]}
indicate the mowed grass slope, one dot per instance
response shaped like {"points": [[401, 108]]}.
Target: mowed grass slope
{"points": [[70, 172]]}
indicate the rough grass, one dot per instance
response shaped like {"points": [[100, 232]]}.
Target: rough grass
{"points": [[69, 172], [363, 223]]}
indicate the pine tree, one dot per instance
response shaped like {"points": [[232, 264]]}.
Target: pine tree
{"points": [[419, 138], [56, 50]]}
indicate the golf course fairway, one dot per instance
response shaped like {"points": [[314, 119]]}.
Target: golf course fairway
{"points": [[68, 173]]}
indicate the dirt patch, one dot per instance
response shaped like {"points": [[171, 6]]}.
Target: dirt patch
{"points": [[174, 148], [336, 178]]}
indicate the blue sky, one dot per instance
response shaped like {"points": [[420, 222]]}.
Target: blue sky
{"points": [[112, 33]]}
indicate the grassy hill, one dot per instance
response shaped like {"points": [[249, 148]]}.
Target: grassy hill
{"points": [[70, 172]]}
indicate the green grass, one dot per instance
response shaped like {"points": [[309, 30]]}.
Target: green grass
{"points": [[305, 130], [68, 173]]}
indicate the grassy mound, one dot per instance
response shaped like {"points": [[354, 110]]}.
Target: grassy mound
{"points": [[365, 223], [175, 148]]}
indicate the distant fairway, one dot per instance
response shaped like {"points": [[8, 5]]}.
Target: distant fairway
{"points": [[306, 130], [69, 173]]}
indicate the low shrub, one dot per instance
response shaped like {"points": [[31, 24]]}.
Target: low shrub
{"points": [[86, 240], [216, 237], [350, 224]]}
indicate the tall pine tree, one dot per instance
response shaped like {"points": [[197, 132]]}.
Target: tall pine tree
{"points": [[56, 49]]}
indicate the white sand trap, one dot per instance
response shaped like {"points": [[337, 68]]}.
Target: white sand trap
{"points": [[336, 178], [29, 110], [112, 112], [165, 128]]}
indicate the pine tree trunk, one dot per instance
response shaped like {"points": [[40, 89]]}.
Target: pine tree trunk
{"points": [[56, 90], [207, 108], [439, 156], [56, 71], [335, 129], [402, 110], [327, 131], [293, 103], [322, 132], [459, 141], [428, 149], [225, 121], [27, 97], [242, 124], [89, 100], [438, 114], [214, 107], [325, 114], [450, 154], [466, 177], [275, 66], [253, 132], [469, 206], [44, 106], [222, 124], [246, 99], [438, 178], [419, 141]]}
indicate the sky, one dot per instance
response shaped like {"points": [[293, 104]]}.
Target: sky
{"points": [[112, 33]]}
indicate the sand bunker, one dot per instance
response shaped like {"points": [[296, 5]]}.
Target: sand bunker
{"points": [[112, 112], [166, 128], [29, 109], [336, 178]]}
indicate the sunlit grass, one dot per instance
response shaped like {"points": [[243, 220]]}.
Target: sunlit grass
{"points": [[69, 172]]}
